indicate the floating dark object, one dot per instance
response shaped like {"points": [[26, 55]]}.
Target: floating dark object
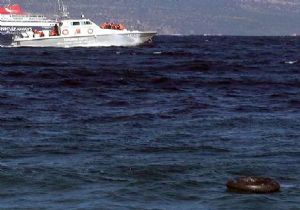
{"points": [[253, 185]]}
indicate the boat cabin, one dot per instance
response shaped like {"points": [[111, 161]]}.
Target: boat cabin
{"points": [[69, 27], [75, 27]]}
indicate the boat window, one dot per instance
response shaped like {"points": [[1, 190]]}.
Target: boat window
{"points": [[76, 23], [87, 23]]}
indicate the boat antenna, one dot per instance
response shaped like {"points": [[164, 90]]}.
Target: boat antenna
{"points": [[62, 9]]}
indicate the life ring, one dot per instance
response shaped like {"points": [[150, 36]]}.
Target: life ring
{"points": [[253, 185], [90, 31], [65, 32]]}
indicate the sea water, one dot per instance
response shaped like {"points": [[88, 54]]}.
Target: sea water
{"points": [[160, 126]]}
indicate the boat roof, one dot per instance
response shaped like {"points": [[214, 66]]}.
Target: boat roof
{"points": [[74, 20]]}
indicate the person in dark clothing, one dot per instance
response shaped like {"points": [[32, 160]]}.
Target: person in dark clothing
{"points": [[56, 29]]}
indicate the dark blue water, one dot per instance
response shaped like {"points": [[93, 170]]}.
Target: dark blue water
{"points": [[163, 126]]}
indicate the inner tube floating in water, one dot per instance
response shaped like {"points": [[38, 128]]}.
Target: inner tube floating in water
{"points": [[253, 185]]}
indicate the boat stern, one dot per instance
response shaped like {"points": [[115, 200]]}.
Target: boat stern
{"points": [[147, 36]]}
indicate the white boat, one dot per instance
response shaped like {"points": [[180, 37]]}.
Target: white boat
{"points": [[82, 33], [13, 20]]}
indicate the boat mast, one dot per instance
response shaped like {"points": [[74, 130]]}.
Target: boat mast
{"points": [[62, 9]]}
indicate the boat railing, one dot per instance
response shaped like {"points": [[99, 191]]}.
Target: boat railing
{"points": [[23, 18]]}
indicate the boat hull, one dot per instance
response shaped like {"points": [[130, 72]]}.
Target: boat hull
{"points": [[103, 40], [7, 32]]}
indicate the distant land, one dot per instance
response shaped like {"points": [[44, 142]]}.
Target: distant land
{"points": [[188, 17]]}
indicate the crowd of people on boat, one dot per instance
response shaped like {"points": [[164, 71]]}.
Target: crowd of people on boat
{"points": [[53, 32], [114, 26], [37, 33]]}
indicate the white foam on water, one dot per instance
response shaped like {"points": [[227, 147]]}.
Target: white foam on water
{"points": [[6, 46], [288, 186], [157, 53], [290, 62]]}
